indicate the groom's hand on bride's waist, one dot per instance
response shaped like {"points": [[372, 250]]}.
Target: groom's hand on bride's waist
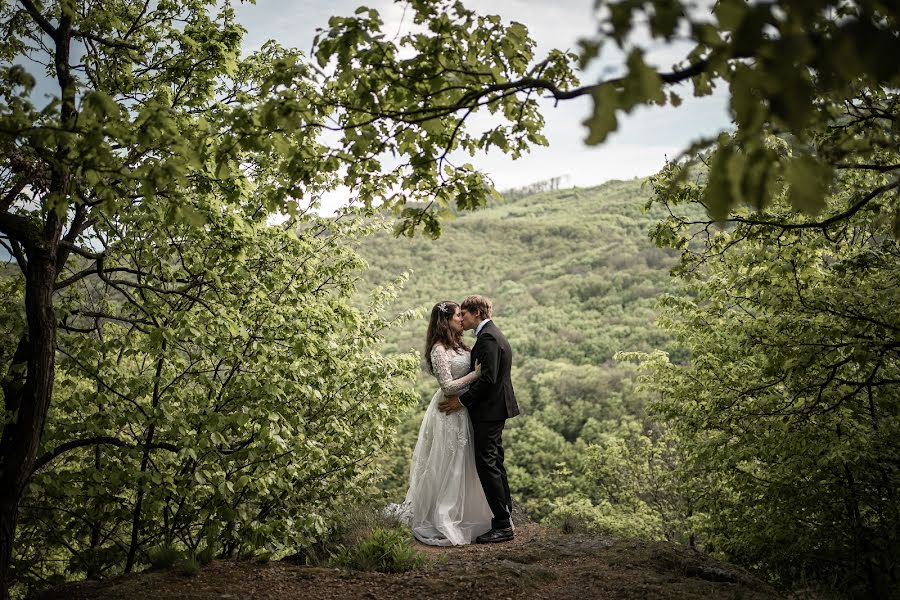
{"points": [[450, 404]]}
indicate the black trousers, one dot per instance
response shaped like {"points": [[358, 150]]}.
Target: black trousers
{"points": [[491, 472]]}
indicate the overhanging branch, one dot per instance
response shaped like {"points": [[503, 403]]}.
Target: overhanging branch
{"points": [[852, 210], [100, 440], [40, 19], [20, 229], [104, 41]]}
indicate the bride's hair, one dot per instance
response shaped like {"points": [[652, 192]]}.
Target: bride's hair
{"points": [[439, 330]]}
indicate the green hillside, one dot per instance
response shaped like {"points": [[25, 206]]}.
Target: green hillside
{"points": [[572, 273], [574, 279]]}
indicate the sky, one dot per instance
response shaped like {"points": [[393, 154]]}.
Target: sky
{"points": [[644, 140]]}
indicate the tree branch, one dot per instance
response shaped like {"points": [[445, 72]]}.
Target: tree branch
{"points": [[108, 317], [820, 224], [71, 247], [104, 41], [10, 196], [42, 21], [20, 229], [80, 222], [99, 440], [21, 259], [92, 270], [865, 167]]}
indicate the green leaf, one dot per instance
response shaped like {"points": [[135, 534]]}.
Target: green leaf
{"points": [[602, 120], [810, 181]]}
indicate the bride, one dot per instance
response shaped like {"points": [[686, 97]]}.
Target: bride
{"points": [[445, 504]]}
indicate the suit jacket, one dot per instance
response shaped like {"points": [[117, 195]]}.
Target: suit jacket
{"points": [[491, 397]]}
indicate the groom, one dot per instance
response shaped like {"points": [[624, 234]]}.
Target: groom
{"points": [[490, 401]]}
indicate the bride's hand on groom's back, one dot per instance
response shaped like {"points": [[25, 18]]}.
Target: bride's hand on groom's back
{"points": [[478, 368]]}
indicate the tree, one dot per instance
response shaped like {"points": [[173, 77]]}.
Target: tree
{"points": [[812, 71], [237, 418], [787, 412], [156, 115], [809, 69]]}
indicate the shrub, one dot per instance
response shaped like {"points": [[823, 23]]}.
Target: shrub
{"points": [[356, 527], [163, 557], [385, 550], [187, 567], [205, 556]]}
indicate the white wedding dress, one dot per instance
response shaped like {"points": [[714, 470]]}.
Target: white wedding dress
{"points": [[445, 504]]}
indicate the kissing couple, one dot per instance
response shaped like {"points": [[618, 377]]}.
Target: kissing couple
{"points": [[458, 491]]}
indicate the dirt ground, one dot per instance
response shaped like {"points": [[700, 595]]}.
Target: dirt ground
{"points": [[540, 563]]}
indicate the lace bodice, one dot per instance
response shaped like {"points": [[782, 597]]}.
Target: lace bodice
{"points": [[452, 369]]}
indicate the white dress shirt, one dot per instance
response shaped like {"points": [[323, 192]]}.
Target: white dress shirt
{"points": [[481, 326]]}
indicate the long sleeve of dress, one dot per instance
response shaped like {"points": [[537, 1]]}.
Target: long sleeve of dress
{"points": [[440, 362]]}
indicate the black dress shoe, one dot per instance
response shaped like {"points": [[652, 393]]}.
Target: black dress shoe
{"points": [[495, 535]]}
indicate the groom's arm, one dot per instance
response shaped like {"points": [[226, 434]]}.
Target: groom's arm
{"points": [[489, 356]]}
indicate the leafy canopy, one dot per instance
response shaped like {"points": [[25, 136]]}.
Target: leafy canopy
{"points": [[786, 414], [815, 72]]}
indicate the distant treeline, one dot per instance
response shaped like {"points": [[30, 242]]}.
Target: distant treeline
{"points": [[546, 185]]}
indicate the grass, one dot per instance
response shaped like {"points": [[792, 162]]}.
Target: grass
{"points": [[385, 551], [369, 539], [187, 567], [163, 557]]}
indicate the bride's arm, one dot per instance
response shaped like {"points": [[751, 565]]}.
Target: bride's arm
{"points": [[440, 361]]}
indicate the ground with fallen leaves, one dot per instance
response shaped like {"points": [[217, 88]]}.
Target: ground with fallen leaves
{"points": [[540, 563]]}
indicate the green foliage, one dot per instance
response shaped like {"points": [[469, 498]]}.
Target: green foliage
{"points": [[384, 550], [243, 417], [212, 368], [622, 486], [813, 71], [163, 557], [406, 98], [354, 526], [215, 384], [187, 567], [787, 413]]}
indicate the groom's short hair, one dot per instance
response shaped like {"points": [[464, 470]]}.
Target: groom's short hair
{"points": [[478, 304]]}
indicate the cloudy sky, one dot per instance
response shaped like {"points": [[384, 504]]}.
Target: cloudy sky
{"points": [[638, 148]]}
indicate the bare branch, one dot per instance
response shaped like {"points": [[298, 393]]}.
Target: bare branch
{"points": [[71, 247]]}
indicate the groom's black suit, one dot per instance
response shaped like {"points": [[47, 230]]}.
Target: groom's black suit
{"points": [[490, 401]]}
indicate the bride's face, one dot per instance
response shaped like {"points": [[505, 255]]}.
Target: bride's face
{"points": [[456, 324]]}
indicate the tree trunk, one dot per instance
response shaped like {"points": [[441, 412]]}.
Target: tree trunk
{"points": [[30, 400], [145, 464]]}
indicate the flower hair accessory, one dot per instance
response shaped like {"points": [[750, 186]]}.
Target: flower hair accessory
{"points": [[442, 307]]}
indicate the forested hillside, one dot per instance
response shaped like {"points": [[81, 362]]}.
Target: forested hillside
{"points": [[574, 278]]}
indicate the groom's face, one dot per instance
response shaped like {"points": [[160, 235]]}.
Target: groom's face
{"points": [[469, 320]]}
